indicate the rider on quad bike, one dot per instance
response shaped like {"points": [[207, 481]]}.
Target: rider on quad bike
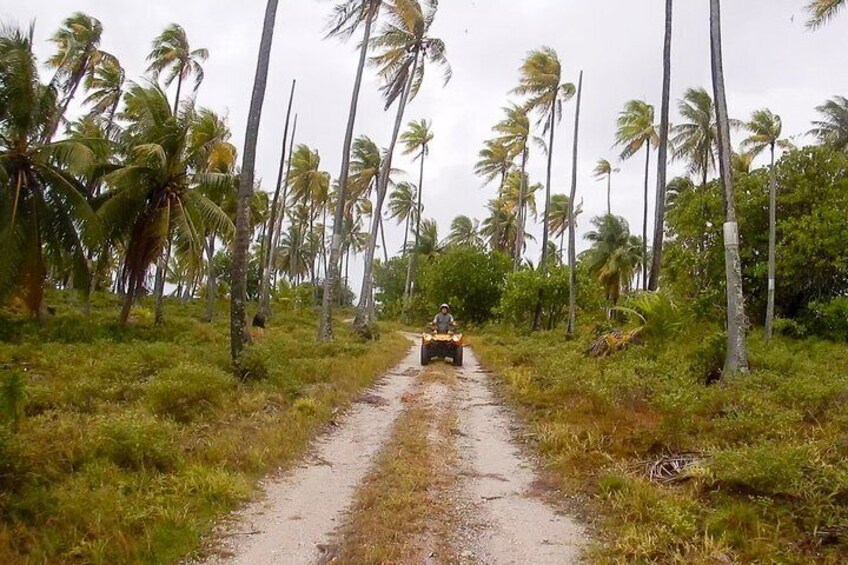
{"points": [[442, 341], [444, 321]]}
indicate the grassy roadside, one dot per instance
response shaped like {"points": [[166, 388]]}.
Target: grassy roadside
{"points": [[770, 482], [401, 513], [125, 445]]}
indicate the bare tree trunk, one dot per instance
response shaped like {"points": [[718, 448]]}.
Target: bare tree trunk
{"points": [[179, 89], [265, 286], [645, 218], [772, 254], [662, 154], [238, 317], [211, 280], [364, 312], [520, 212], [161, 273], [325, 327], [410, 270], [281, 217], [737, 354], [572, 245], [609, 193]]}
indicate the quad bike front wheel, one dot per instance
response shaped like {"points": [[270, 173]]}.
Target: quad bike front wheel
{"points": [[457, 356], [425, 354]]}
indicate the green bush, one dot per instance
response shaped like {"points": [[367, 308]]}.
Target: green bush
{"points": [[252, 364], [828, 319], [521, 294], [136, 441], [789, 328], [765, 469], [188, 391]]}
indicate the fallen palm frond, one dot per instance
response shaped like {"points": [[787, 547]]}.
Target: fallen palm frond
{"points": [[613, 342], [673, 468]]}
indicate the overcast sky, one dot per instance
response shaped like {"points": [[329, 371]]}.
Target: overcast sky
{"points": [[771, 60]]}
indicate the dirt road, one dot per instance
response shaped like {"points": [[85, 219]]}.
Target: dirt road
{"points": [[495, 516]]}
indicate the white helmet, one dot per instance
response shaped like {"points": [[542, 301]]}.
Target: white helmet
{"points": [[444, 306]]}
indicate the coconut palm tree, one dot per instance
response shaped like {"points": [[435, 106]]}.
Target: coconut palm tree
{"points": [[43, 203], [636, 129], [172, 54], [495, 161], [309, 185], [514, 132], [559, 218], [428, 243], [499, 229], [77, 55], [832, 128], [105, 88], [404, 46], [694, 140], [404, 207], [737, 354], [822, 11], [604, 171], [348, 17], [416, 140], [662, 153], [465, 232], [541, 82], [615, 255], [238, 295], [741, 162], [765, 128]]}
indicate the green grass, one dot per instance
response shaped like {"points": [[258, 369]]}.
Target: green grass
{"points": [[773, 483], [124, 445]]}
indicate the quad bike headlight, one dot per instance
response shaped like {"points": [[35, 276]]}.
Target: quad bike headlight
{"points": [[456, 337]]}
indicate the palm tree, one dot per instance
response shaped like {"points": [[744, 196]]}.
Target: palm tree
{"points": [[495, 161], [428, 243], [404, 208], [737, 355], [636, 130], [615, 255], [416, 140], [500, 228], [765, 128], [741, 162], [310, 187], [105, 89], [43, 202], [662, 153], [822, 11], [604, 170], [238, 295], [541, 76], [832, 128], [349, 15], [78, 53], [465, 232], [695, 139], [158, 191], [403, 47], [572, 246], [172, 54], [559, 218], [514, 132]]}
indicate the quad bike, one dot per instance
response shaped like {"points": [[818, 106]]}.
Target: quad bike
{"points": [[438, 345]]}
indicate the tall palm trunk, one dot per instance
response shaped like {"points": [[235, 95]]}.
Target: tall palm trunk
{"points": [[284, 200], [737, 354], [543, 261], [365, 308], [645, 218], [238, 317], [179, 89], [521, 213], [211, 279], [662, 154], [325, 326], [572, 244], [609, 193], [265, 286], [161, 273], [405, 236], [772, 254], [410, 270]]}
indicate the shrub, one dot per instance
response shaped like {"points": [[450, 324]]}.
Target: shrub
{"points": [[829, 319], [138, 441], [188, 391], [660, 316], [789, 328], [764, 470], [252, 364]]}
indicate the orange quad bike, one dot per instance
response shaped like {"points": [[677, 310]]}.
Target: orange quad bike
{"points": [[437, 345]]}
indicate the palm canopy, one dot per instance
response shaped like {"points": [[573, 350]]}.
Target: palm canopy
{"points": [[348, 15], [765, 128], [172, 54], [105, 87], [417, 138], [495, 160], [403, 202], [404, 45], [614, 256], [636, 128], [514, 130], [832, 128], [695, 139], [558, 215], [77, 51], [512, 191], [500, 228], [603, 168], [45, 218], [309, 185], [540, 82], [465, 232], [822, 11]]}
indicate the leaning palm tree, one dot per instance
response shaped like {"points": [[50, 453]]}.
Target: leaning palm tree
{"points": [[43, 204], [403, 48], [694, 140], [541, 82], [238, 295], [822, 11], [465, 232], [614, 256], [765, 128], [514, 134], [636, 129], [172, 54], [105, 89], [416, 140], [662, 154], [832, 128], [572, 244], [604, 171], [77, 55], [348, 17], [404, 207], [737, 354]]}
